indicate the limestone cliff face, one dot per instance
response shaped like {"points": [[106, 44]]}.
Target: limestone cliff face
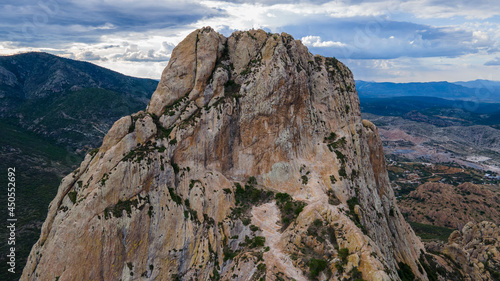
{"points": [[251, 161]]}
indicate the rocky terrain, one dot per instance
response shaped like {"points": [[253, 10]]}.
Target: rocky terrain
{"points": [[251, 161], [475, 249], [451, 206]]}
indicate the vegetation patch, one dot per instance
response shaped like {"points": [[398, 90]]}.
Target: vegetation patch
{"points": [[405, 272], [333, 180], [342, 171], [176, 168], [170, 110], [289, 208], [104, 178], [316, 266], [340, 156], [343, 254], [72, 196], [175, 197], [251, 195], [228, 253], [257, 241], [322, 232], [352, 202], [141, 153], [431, 232], [192, 183], [305, 180], [93, 152], [252, 181], [247, 197], [131, 128], [254, 228], [246, 71], [494, 272], [434, 270], [356, 275], [330, 138], [161, 132], [191, 120], [232, 88], [331, 65], [188, 212], [118, 208], [334, 143]]}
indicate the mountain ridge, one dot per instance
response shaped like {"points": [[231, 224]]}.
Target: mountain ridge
{"points": [[36, 74], [470, 91], [39, 91]]}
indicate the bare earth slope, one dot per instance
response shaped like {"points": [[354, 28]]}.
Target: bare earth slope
{"points": [[238, 127]]}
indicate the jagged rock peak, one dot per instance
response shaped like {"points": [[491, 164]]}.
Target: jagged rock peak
{"points": [[190, 65], [205, 52], [251, 161]]}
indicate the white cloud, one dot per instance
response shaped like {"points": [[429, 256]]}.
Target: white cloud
{"points": [[315, 41], [137, 37], [106, 26], [421, 69], [494, 62], [242, 16], [148, 69], [478, 9], [134, 53]]}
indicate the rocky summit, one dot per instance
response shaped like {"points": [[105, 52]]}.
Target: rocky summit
{"points": [[251, 162]]}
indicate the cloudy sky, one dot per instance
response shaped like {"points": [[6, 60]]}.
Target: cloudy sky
{"points": [[380, 40]]}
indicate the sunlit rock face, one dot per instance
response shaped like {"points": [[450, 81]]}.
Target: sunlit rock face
{"points": [[251, 161]]}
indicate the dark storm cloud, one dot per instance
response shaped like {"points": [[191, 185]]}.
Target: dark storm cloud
{"points": [[54, 22]]}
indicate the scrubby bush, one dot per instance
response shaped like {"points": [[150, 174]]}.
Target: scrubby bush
{"points": [[316, 266]]}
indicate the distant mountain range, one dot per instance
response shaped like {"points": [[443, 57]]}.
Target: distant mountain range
{"points": [[478, 90], [68, 101], [436, 111], [480, 83]]}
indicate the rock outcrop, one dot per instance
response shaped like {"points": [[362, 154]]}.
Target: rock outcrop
{"points": [[251, 161], [472, 252]]}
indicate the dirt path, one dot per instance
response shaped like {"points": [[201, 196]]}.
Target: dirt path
{"points": [[266, 217]]}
